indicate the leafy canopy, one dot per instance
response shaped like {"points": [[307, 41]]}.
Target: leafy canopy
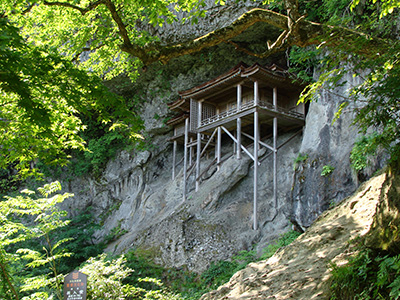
{"points": [[91, 32], [42, 98]]}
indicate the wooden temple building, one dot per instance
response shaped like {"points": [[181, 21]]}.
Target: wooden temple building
{"points": [[245, 102]]}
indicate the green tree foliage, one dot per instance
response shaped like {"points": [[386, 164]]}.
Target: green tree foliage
{"points": [[377, 97], [36, 218], [106, 281], [367, 276], [42, 99], [97, 28], [26, 217]]}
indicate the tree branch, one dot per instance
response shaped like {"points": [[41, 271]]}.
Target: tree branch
{"points": [[83, 11], [157, 52], [121, 26], [296, 31], [6, 277], [86, 49]]}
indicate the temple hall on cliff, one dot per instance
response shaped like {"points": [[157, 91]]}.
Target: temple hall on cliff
{"points": [[246, 102]]}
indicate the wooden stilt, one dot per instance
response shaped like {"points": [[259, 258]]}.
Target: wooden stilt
{"points": [[239, 123], [198, 147], [191, 154], [234, 145], [198, 160], [255, 154], [256, 93], [219, 136], [234, 139], [275, 166], [185, 158], [275, 146], [175, 147]]}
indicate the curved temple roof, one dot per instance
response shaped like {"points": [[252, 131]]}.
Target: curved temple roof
{"points": [[272, 76]]}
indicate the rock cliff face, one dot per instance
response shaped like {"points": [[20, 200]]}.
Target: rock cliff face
{"points": [[138, 202]]}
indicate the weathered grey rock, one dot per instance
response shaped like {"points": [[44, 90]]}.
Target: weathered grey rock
{"points": [[212, 224], [216, 17], [325, 143]]}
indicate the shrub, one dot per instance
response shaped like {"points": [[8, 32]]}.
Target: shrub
{"points": [[368, 275], [327, 170]]}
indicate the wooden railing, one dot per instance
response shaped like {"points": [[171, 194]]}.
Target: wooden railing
{"points": [[250, 104]]}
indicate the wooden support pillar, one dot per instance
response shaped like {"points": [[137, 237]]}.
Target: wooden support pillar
{"points": [[234, 143], [174, 149], [198, 146], [275, 166], [219, 136], [185, 157], [255, 184], [275, 146], [239, 123], [191, 154], [256, 97], [256, 103]]}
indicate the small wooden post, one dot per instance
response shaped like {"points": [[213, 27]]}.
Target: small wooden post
{"points": [[234, 143], [216, 139], [239, 123], [185, 157]]}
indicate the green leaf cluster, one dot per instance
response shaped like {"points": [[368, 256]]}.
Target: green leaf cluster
{"points": [[300, 158], [375, 100], [81, 244], [92, 37], [106, 281], [327, 170], [284, 240], [364, 148], [26, 217], [34, 221], [43, 98], [368, 275], [382, 108]]}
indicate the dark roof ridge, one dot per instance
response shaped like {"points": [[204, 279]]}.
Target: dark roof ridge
{"points": [[236, 70]]}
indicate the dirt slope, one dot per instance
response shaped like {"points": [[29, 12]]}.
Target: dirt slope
{"points": [[301, 270]]}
